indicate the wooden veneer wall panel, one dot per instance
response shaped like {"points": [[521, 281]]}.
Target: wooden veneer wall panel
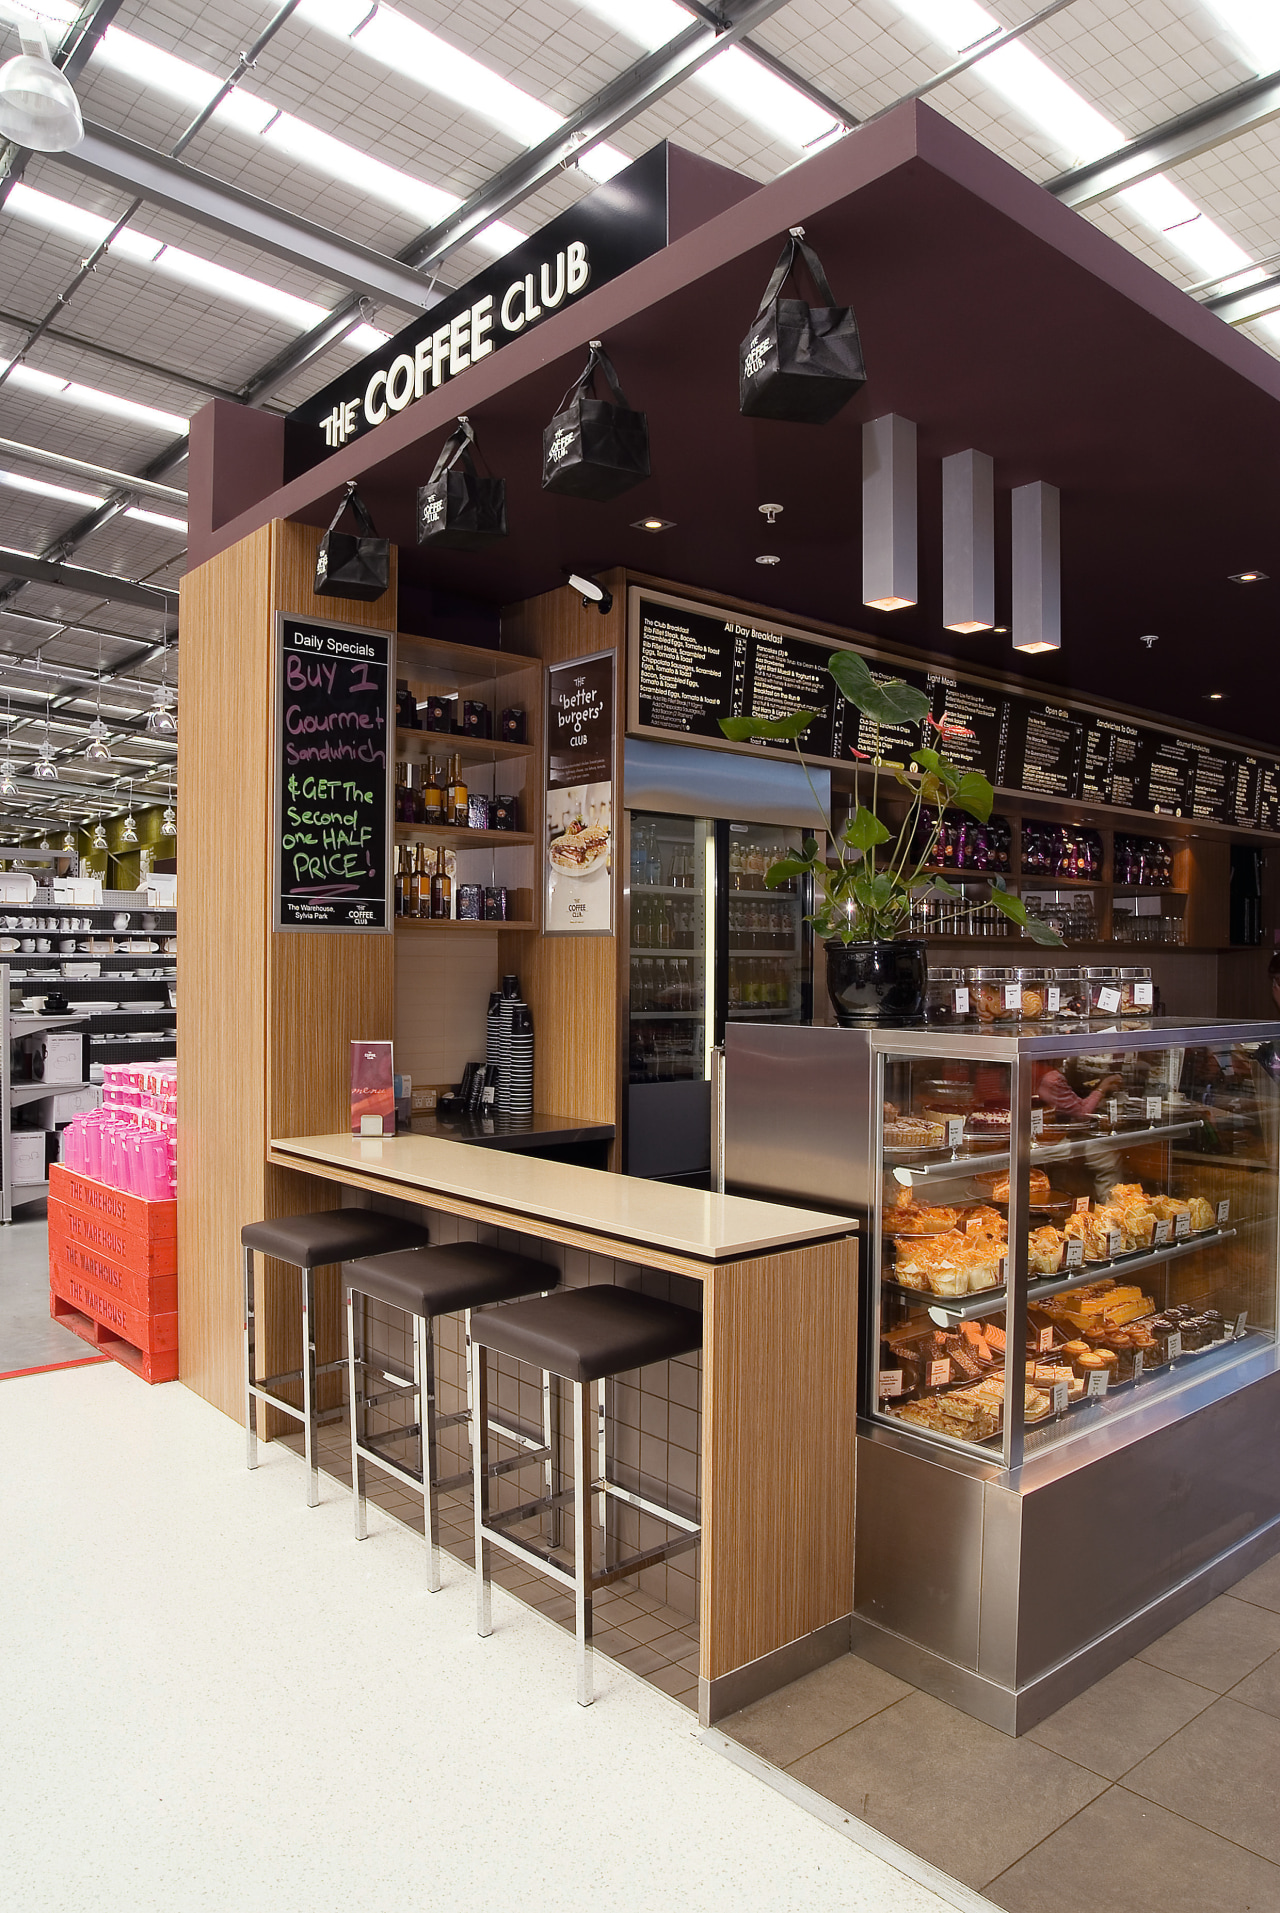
{"points": [[571, 983], [264, 1017]]}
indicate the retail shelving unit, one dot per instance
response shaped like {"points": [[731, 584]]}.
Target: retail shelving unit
{"points": [[16, 1095]]}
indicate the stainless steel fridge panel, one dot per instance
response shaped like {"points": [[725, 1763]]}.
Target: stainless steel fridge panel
{"points": [[687, 782], [918, 1551]]}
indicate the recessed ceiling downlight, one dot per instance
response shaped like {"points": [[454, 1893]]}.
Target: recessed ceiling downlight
{"points": [[1247, 577]]}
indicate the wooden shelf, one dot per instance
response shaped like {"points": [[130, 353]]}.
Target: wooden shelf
{"points": [[435, 925], [457, 834], [451, 667], [414, 747]]}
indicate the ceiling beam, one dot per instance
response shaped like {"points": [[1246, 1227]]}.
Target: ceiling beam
{"points": [[235, 214], [1248, 302], [1225, 117], [91, 584], [99, 474], [147, 366]]}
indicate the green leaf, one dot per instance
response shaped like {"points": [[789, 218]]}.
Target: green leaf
{"points": [[741, 730], [864, 829], [1016, 911], [938, 766], [785, 869], [974, 794], [893, 702], [940, 883], [1039, 932]]}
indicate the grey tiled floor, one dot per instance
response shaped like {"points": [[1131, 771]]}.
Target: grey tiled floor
{"points": [[29, 1338], [1157, 1791]]}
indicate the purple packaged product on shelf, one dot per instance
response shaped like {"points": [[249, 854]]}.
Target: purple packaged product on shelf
{"points": [[513, 725], [503, 815], [495, 904], [475, 719], [477, 811], [470, 902]]}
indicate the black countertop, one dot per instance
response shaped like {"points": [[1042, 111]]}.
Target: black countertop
{"points": [[527, 1135]]}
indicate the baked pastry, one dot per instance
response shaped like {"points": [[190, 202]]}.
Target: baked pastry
{"points": [[987, 1119], [908, 1217], [1039, 1186], [913, 1132], [949, 1415], [1203, 1213], [1169, 1208], [1045, 1250]]}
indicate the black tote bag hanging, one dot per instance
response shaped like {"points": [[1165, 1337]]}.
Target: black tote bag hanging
{"points": [[352, 566], [799, 361], [459, 509], [595, 448]]}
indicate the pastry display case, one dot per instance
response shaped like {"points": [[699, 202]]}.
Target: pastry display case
{"points": [[1069, 1403]]}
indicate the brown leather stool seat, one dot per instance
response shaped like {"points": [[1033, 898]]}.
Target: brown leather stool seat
{"points": [[309, 1242], [332, 1235], [585, 1336], [450, 1279]]}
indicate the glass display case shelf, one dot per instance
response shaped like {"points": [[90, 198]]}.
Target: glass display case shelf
{"points": [[957, 1167]]}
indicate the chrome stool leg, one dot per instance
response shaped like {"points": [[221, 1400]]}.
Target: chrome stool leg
{"points": [[582, 1566], [359, 1417], [309, 1385], [424, 1376], [551, 1441], [250, 1355], [480, 1484]]}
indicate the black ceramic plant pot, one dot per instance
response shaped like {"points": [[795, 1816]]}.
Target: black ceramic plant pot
{"points": [[876, 983]]}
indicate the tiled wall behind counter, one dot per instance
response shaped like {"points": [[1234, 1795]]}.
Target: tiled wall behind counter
{"points": [[653, 1415]]}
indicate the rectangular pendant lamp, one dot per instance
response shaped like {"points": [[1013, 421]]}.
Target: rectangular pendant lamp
{"points": [[889, 513], [968, 542], [1037, 569]]}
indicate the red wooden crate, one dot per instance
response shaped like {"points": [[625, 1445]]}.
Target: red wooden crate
{"points": [[153, 1334], [99, 1234], [119, 1281], [162, 1367], [156, 1221]]}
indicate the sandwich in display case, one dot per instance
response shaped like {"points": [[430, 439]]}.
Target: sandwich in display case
{"points": [[1069, 1405]]}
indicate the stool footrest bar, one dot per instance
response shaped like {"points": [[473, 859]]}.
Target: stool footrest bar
{"points": [[646, 1507], [527, 1510], [647, 1558], [530, 1551], [410, 1476], [510, 1465], [276, 1401]]}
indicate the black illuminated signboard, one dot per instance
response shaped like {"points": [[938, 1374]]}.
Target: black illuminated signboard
{"points": [[691, 665]]}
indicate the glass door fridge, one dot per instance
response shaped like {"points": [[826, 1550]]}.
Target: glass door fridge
{"points": [[708, 942]]}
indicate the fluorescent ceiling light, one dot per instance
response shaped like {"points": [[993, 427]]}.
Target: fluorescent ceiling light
{"points": [[1078, 129], [1255, 27], [255, 118], [27, 379], [39, 489], [734, 76], [156, 518], [404, 47]]}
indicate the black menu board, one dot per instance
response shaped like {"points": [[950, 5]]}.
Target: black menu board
{"points": [[694, 666], [331, 774]]}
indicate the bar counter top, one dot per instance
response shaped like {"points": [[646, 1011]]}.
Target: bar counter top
{"points": [[689, 1222], [522, 1135]]}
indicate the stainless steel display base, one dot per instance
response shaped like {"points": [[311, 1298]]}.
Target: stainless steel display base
{"points": [[1008, 1595]]}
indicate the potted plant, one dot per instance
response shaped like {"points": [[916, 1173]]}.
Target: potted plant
{"points": [[876, 972]]}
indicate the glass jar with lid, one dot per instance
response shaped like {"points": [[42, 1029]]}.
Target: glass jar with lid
{"points": [[1102, 989], [1137, 992], [1035, 993], [948, 1000], [996, 993], [1066, 997]]}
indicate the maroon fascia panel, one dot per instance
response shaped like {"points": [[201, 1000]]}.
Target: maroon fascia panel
{"points": [[991, 315]]}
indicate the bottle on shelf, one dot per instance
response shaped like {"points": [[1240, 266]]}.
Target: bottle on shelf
{"points": [[401, 884], [415, 905], [441, 887], [432, 795], [456, 794]]}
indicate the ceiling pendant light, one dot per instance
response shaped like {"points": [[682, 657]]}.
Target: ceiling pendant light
{"points": [[129, 834], [8, 772], [99, 839], [45, 844], [968, 542], [44, 767], [1037, 569], [69, 842], [38, 105], [889, 513], [162, 719], [97, 750]]}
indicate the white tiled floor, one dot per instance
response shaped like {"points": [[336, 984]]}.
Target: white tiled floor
{"points": [[213, 1697], [29, 1338]]}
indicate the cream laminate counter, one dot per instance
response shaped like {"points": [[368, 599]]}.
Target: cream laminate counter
{"points": [[679, 1221]]}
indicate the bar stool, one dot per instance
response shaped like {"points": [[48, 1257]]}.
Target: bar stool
{"points": [[585, 1336], [450, 1279], [309, 1242]]}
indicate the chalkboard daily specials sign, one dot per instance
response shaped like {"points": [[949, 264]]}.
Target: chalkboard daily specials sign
{"points": [[331, 772]]}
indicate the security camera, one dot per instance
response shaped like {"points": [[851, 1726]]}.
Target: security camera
{"points": [[592, 593]]}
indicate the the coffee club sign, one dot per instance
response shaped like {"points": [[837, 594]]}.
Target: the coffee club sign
{"points": [[605, 234]]}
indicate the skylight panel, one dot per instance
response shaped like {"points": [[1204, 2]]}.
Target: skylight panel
{"points": [[27, 378], [1255, 27], [40, 488]]}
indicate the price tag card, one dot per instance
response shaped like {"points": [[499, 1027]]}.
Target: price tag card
{"points": [[1175, 1345], [1061, 1396], [1161, 1234], [1154, 1109], [1097, 1384], [1181, 1226], [1224, 1211], [1045, 1340], [1013, 996], [1053, 999], [1138, 1363], [1074, 1257], [890, 1382], [1037, 1122], [955, 1131], [1082, 1205], [940, 1372], [1109, 1001], [1143, 995], [961, 1002], [1114, 1240], [1242, 1322]]}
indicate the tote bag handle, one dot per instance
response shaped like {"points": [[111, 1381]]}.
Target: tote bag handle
{"points": [[787, 261]]}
